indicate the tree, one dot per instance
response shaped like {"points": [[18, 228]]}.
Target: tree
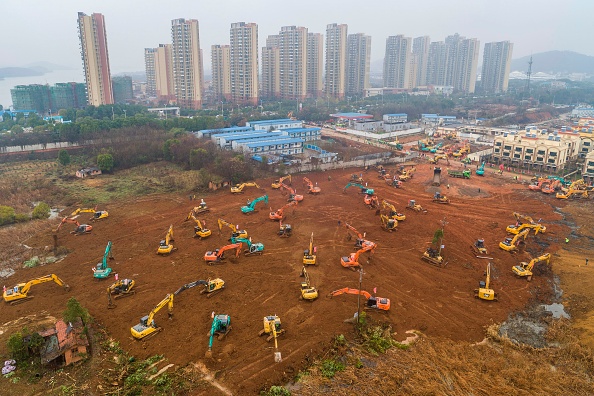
{"points": [[17, 348], [105, 162], [16, 129], [6, 215], [438, 235], [41, 211], [63, 157], [74, 311]]}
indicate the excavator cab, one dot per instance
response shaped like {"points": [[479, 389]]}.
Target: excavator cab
{"points": [[378, 303], [285, 230], [479, 247], [272, 325]]}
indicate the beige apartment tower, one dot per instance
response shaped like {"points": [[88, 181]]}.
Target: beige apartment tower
{"points": [[293, 62], [93, 45], [187, 63], [315, 65], [336, 59], [462, 62], [420, 50], [164, 83], [221, 72], [496, 66], [358, 63], [149, 69], [244, 63], [397, 62]]}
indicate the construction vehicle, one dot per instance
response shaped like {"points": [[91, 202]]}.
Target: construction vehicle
{"points": [[100, 214], [238, 188], [360, 241], [19, 293], [216, 256], [388, 224], [537, 185], [433, 257], [364, 190], [201, 208], [308, 292], [484, 292], [277, 183], [285, 230], [236, 232], [572, 193], [463, 174], [120, 289], [309, 255], [436, 176], [352, 260], [357, 178], [221, 326], [373, 302], [372, 201], [412, 205], [525, 269], [437, 197], [435, 159], [80, 228], [200, 230], [549, 188], [211, 286], [393, 212], [480, 171], [147, 327], [510, 244], [272, 328], [523, 222], [479, 247], [311, 189], [280, 213], [407, 174], [293, 196], [252, 248], [88, 210], [393, 182], [165, 245], [102, 270], [250, 207]]}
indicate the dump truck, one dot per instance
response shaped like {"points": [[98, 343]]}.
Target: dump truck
{"points": [[465, 174]]}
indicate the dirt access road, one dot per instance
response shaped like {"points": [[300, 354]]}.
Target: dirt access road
{"points": [[437, 301]]}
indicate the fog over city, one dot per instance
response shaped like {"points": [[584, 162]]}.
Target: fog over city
{"points": [[47, 30]]}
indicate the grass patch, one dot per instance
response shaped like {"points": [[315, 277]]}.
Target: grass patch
{"points": [[330, 367]]}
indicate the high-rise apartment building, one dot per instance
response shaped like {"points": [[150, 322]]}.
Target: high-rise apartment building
{"points": [[149, 69], [93, 44], [358, 63], [497, 58], [221, 72], [244, 63], [462, 62], [270, 72], [420, 50], [397, 62], [122, 89], [46, 99], [293, 62], [187, 63], [336, 54], [164, 82], [315, 64], [436, 63]]}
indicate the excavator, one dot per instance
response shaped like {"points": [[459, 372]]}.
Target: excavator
{"points": [[437, 197], [251, 205], [537, 185], [308, 292], [480, 170], [309, 255], [549, 188], [373, 302], [277, 183], [293, 196], [388, 224], [218, 255], [201, 208], [573, 193], [199, 230], [393, 182], [236, 232], [165, 245], [414, 206], [311, 189], [280, 213], [525, 269], [510, 244], [238, 188], [252, 248], [97, 214], [433, 257], [272, 327], [19, 293], [372, 201], [84, 210], [484, 292], [211, 286], [221, 326], [102, 270], [525, 222], [285, 230], [364, 190], [479, 247], [360, 241], [80, 228], [352, 260], [147, 327], [407, 174], [120, 289], [394, 214]]}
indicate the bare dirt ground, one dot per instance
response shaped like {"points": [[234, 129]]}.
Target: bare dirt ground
{"points": [[437, 301]]}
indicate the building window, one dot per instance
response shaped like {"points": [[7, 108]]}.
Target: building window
{"points": [[519, 149], [552, 154], [551, 161], [539, 159], [507, 147], [528, 157], [517, 155], [498, 144], [505, 154], [586, 143], [541, 152], [529, 150]]}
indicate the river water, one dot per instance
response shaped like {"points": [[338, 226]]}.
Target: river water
{"points": [[58, 76]]}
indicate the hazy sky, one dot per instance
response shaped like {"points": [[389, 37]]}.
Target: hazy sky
{"points": [[42, 30]]}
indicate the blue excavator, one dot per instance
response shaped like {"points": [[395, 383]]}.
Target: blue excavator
{"points": [[364, 190], [251, 205], [221, 326], [481, 170], [253, 248], [102, 270]]}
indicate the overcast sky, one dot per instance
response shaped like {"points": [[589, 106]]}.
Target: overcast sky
{"points": [[42, 30]]}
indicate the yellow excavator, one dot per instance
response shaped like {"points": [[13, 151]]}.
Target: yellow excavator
{"points": [[479, 247], [19, 293], [147, 327], [201, 208], [236, 232], [394, 214], [484, 292], [120, 289], [525, 269], [573, 193], [165, 246], [238, 188], [200, 230], [407, 174], [309, 255], [525, 222], [308, 292], [388, 224], [510, 244], [278, 183], [83, 210], [272, 327]]}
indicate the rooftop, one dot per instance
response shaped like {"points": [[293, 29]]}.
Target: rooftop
{"points": [[351, 115], [278, 141], [279, 121]]}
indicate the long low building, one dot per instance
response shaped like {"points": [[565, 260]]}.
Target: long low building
{"points": [[270, 125], [287, 146]]}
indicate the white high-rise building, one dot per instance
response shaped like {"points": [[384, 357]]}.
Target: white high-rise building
{"points": [[293, 62], [397, 62], [336, 58], [244, 63], [420, 50], [462, 62], [497, 58], [315, 64], [358, 63], [221, 72], [188, 72]]}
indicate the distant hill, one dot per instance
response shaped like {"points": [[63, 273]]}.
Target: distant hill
{"points": [[6, 72], [554, 62], [47, 67]]}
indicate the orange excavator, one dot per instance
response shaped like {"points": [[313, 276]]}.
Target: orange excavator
{"points": [[537, 186], [352, 260], [218, 255], [293, 196], [311, 189], [373, 302], [361, 241], [372, 201], [279, 214], [80, 228], [553, 186]]}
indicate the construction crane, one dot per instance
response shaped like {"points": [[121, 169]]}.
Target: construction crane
{"points": [[484, 292], [510, 244], [147, 327], [238, 188], [388, 224], [360, 241], [272, 328], [120, 289], [285, 230], [309, 255], [308, 292], [437, 197], [412, 205], [373, 302], [19, 293], [200, 230], [216, 256], [165, 245], [352, 260], [364, 190], [280, 213], [102, 270], [311, 189], [236, 232], [252, 248], [80, 228], [277, 183], [293, 196], [250, 207], [221, 326], [525, 269], [394, 214]]}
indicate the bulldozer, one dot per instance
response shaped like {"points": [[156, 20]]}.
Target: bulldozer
{"points": [[200, 231], [120, 289], [147, 328], [201, 208], [272, 328], [20, 293], [285, 230], [221, 326], [250, 207], [165, 245], [80, 228], [388, 224], [102, 270], [511, 244], [479, 247], [373, 302], [412, 205], [311, 189], [238, 188], [525, 269], [216, 256], [277, 183], [309, 255], [235, 231], [280, 213], [252, 248], [484, 292], [433, 257], [308, 292], [437, 197], [394, 214]]}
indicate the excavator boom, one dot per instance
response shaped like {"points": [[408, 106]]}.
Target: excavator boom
{"points": [[372, 301], [147, 326], [19, 293]]}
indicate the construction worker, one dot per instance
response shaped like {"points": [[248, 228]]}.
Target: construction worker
{"points": [[202, 203], [566, 240]]}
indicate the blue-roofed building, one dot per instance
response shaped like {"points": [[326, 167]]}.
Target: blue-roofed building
{"points": [[222, 138], [234, 142], [209, 132], [270, 125], [285, 146], [307, 134]]}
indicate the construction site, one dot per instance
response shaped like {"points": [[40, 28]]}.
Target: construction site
{"points": [[450, 288]]}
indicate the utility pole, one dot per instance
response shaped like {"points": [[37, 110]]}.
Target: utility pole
{"points": [[359, 295], [443, 224]]}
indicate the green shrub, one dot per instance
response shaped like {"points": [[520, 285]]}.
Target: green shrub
{"points": [[21, 218], [74, 310], [6, 215], [41, 211], [276, 390], [63, 157], [17, 348], [330, 367], [376, 342]]}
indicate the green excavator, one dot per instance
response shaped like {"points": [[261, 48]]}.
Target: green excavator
{"points": [[253, 247], [221, 326], [102, 270], [251, 205]]}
